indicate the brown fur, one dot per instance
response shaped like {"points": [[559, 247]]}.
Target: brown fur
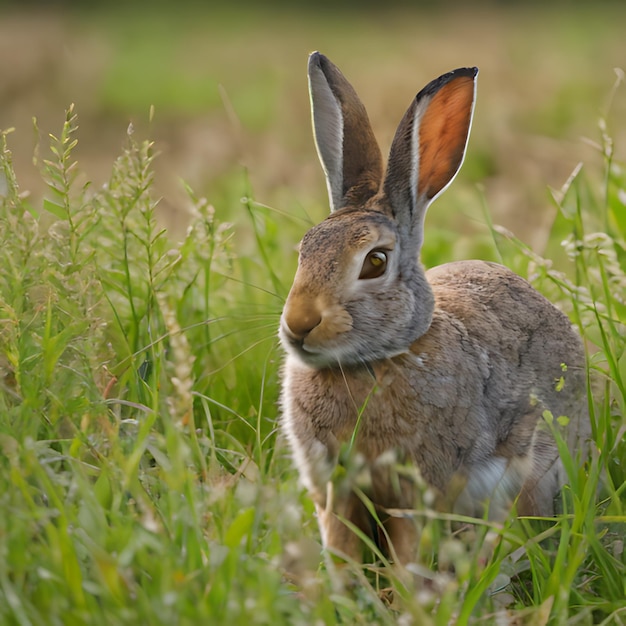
{"points": [[448, 371]]}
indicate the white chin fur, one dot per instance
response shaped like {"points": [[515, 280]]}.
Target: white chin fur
{"points": [[314, 358]]}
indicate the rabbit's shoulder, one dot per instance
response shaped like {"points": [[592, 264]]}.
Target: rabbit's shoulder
{"points": [[497, 305]]}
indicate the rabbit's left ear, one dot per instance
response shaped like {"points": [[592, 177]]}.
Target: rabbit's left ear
{"points": [[429, 147], [345, 142]]}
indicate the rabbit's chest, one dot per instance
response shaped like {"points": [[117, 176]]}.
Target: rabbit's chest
{"points": [[418, 412]]}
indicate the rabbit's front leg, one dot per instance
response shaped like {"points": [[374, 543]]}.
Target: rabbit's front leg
{"points": [[339, 509], [402, 533], [339, 515]]}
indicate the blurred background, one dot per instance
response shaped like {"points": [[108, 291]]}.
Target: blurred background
{"points": [[228, 85]]}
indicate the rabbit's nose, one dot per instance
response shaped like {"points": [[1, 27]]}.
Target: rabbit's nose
{"points": [[297, 324]]}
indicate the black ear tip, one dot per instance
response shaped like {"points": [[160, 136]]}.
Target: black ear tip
{"points": [[468, 72], [316, 59], [471, 72], [435, 85]]}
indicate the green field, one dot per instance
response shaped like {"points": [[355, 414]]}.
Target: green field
{"points": [[142, 476]]}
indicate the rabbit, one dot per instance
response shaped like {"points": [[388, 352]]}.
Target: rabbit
{"points": [[448, 370]]}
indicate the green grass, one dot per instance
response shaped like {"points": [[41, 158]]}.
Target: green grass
{"points": [[142, 480]]}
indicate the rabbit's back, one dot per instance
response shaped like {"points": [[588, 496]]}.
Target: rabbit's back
{"points": [[535, 362]]}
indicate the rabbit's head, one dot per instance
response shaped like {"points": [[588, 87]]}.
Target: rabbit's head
{"points": [[360, 293]]}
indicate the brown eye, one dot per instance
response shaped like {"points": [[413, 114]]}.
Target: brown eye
{"points": [[374, 265]]}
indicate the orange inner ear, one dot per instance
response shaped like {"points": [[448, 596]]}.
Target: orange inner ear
{"points": [[443, 135]]}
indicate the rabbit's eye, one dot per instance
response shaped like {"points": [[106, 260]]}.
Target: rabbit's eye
{"points": [[374, 265]]}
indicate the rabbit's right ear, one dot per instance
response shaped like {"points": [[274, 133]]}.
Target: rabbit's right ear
{"points": [[345, 142], [429, 147]]}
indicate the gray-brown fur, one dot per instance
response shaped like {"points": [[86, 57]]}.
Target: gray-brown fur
{"points": [[450, 369]]}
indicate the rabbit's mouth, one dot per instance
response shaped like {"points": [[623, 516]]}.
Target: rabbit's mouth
{"points": [[298, 346], [289, 339], [338, 352], [318, 355], [315, 331]]}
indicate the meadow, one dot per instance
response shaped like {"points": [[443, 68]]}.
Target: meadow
{"points": [[143, 269]]}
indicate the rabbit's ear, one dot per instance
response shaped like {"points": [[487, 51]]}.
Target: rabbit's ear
{"points": [[344, 138], [429, 146]]}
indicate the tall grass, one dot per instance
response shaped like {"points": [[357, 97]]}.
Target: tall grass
{"points": [[141, 476]]}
